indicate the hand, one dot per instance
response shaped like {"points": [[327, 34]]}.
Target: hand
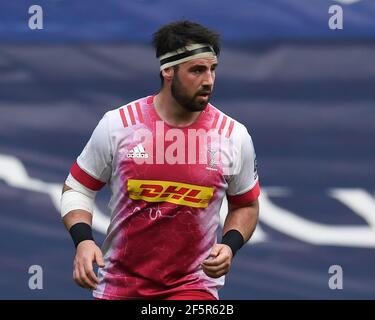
{"points": [[83, 273], [219, 261]]}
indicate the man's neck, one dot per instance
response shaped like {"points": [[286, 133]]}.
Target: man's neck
{"points": [[170, 111]]}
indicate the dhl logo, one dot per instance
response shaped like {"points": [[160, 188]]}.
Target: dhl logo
{"points": [[170, 191]]}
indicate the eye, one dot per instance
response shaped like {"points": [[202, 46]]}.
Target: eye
{"points": [[196, 70]]}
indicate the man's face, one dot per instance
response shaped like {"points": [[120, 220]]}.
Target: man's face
{"points": [[193, 82]]}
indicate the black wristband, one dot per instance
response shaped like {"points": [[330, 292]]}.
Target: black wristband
{"points": [[234, 239], [80, 231]]}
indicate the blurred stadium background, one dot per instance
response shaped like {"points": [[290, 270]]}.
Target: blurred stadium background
{"points": [[305, 92]]}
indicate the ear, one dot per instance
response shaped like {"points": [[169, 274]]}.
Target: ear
{"points": [[168, 73]]}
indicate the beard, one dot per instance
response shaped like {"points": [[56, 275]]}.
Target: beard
{"points": [[191, 103]]}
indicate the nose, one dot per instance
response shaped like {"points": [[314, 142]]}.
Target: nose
{"points": [[209, 78]]}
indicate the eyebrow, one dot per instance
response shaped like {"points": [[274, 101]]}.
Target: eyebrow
{"points": [[202, 66]]}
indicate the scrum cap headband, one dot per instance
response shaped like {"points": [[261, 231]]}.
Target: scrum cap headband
{"points": [[189, 52]]}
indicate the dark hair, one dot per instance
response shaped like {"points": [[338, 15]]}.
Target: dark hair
{"points": [[179, 34]]}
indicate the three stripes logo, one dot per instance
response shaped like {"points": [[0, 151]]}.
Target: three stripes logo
{"points": [[169, 191], [138, 152], [131, 114], [223, 124]]}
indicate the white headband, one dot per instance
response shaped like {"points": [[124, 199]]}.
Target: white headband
{"points": [[187, 53]]}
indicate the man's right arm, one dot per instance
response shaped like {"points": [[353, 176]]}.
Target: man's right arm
{"points": [[90, 172], [87, 251]]}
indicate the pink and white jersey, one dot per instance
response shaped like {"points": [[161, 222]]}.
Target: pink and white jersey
{"points": [[167, 187]]}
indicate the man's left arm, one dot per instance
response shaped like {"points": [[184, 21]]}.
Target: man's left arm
{"points": [[242, 194]]}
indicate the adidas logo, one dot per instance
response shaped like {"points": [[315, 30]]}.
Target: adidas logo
{"points": [[138, 152]]}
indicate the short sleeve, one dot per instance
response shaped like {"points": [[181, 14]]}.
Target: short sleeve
{"points": [[94, 165], [243, 187]]}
